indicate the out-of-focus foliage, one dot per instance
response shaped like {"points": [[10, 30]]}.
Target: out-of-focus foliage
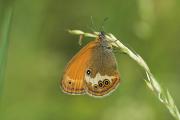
{"points": [[40, 48]]}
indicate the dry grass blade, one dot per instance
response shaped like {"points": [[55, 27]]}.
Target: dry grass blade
{"points": [[163, 96]]}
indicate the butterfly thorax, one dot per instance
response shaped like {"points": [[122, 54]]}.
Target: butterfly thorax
{"points": [[104, 42]]}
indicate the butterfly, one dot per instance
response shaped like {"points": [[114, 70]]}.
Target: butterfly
{"points": [[93, 70]]}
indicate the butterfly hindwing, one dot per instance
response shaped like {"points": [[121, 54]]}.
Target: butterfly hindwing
{"points": [[104, 77]]}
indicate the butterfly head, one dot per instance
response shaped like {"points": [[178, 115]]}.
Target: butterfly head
{"points": [[102, 36]]}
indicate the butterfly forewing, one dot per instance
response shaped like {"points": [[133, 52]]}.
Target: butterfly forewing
{"points": [[73, 79]]}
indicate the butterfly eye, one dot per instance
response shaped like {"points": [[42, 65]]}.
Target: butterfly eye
{"points": [[100, 83], [88, 72], [109, 47], [106, 82]]}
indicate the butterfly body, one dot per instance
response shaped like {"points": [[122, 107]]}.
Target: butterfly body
{"points": [[93, 70]]}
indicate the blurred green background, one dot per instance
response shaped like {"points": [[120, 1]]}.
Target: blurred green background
{"points": [[40, 47]]}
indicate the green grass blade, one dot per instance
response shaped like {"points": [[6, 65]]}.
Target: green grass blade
{"points": [[4, 38]]}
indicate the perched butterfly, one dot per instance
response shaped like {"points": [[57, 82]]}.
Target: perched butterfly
{"points": [[93, 70]]}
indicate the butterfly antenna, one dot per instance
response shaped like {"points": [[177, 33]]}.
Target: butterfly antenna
{"points": [[103, 23]]}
